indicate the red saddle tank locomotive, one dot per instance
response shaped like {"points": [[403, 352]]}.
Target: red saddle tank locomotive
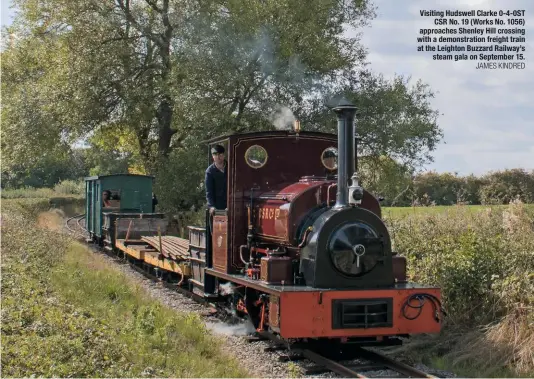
{"points": [[304, 248]]}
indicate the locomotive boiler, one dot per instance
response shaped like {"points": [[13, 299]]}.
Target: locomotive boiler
{"points": [[333, 229]]}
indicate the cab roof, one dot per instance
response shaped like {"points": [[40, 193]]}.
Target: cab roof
{"points": [[288, 133]]}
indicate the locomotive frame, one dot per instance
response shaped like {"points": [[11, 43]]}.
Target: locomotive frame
{"points": [[273, 254]]}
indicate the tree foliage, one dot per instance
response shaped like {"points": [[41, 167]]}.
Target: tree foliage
{"points": [[502, 187], [156, 68], [180, 182], [386, 178], [245, 62], [45, 172], [442, 189], [144, 81], [70, 165], [432, 188], [394, 117]]}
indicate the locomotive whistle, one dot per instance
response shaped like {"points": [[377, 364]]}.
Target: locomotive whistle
{"points": [[296, 126]]}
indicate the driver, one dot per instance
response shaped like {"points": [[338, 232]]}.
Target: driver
{"points": [[216, 180]]}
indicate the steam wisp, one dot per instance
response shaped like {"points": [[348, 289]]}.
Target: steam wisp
{"points": [[226, 288], [242, 329], [282, 118]]}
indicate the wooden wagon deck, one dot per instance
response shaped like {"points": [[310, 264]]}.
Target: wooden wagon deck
{"points": [[141, 240], [171, 253]]}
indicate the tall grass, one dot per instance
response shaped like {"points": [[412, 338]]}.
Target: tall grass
{"points": [[395, 212], [484, 263], [27, 192], [70, 187], [64, 188], [65, 312]]}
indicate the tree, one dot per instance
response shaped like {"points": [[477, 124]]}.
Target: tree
{"points": [[146, 80], [100, 161], [105, 66], [140, 65], [501, 187], [387, 178], [243, 63], [470, 191], [394, 119], [52, 168], [441, 189], [31, 104]]}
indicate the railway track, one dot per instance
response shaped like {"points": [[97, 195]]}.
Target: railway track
{"points": [[73, 225], [374, 361]]}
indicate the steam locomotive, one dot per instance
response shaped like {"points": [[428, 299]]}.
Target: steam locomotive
{"points": [[301, 249]]}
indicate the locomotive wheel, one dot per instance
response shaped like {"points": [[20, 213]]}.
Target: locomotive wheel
{"points": [[231, 306], [253, 311]]}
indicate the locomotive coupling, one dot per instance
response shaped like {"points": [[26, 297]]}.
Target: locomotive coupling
{"points": [[355, 191]]}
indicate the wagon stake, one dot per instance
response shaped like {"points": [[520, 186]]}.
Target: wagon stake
{"points": [[128, 232], [159, 236]]}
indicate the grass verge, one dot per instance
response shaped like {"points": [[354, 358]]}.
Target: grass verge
{"points": [[484, 264], [66, 313], [395, 212]]}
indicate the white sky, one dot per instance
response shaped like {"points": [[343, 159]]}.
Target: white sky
{"points": [[488, 115]]}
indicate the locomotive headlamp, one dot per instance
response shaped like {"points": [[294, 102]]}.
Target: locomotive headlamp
{"points": [[355, 191]]}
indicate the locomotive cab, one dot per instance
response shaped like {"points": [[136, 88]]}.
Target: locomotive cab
{"points": [[273, 179]]}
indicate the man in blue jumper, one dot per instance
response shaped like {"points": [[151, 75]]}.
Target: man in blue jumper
{"points": [[216, 180]]}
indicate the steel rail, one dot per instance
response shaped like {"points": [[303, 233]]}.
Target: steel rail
{"points": [[377, 361], [78, 222], [67, 224], [314, 357], [70, 219], [333, 366], [394, 365]]}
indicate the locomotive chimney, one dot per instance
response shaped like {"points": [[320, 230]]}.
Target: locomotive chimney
{"points": [[345, 112]]}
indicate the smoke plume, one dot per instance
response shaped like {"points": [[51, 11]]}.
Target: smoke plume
{"points": [[282, 118], [241, 329], [226, 288]]}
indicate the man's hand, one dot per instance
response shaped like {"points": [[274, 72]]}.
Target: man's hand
{"points": [[212, 210]]}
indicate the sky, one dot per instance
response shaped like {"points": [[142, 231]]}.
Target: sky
{"points": [[6, 13], [487, 116]]}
